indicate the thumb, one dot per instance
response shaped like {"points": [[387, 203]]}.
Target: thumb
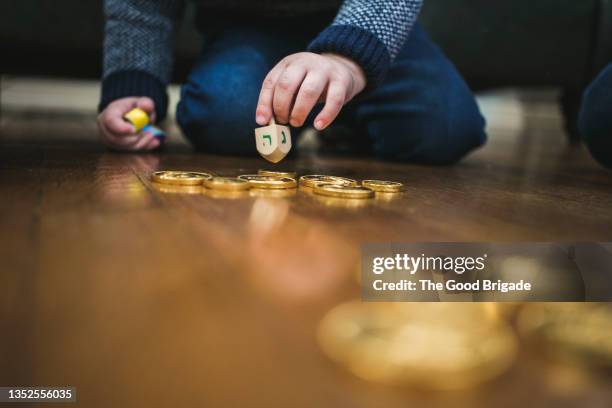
{"points": [[147, 105]]}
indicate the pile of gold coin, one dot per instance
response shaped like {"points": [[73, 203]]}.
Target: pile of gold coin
{"points": [[329, 186], [383, 186], [341, 187], [341, 191], [313, 180], [289, 174], [268, 182], [436, 346]]}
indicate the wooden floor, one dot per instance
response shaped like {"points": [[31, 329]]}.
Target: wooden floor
{"points": [[143, 297]]}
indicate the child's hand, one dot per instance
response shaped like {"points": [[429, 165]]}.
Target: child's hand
{"points": [[308, 78], [119, 134]]}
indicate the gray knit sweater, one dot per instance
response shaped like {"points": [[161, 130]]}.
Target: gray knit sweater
{"points": [[139, 38]]}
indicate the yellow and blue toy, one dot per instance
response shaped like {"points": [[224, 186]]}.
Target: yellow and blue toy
{"points": [[138, 118], [157, 132]]}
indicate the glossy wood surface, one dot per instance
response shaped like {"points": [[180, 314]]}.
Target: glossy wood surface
{"points": [[140, 296]]}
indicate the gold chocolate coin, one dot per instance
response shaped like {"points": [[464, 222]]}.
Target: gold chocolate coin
{"points": [[342, 191], [177, 189], [349, 203], [383, 186], [181, 178], [273, 193], [415, 345], [268, 182], [290, 174], [576, 331], [314, 179], [227, 184], [226, 194]]}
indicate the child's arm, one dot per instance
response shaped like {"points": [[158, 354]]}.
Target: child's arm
{"points": [[138, 57], [356, 49]]}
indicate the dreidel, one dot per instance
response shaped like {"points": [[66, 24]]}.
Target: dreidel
{"points": [[273, 141]]}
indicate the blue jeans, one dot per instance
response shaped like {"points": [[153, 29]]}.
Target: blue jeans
{"points": [[595, 118], [423, 112]]}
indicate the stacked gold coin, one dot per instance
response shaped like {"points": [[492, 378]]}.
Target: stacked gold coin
{"points": [[181, 178], [328, 186], [342, 191], [288, 174], [345, 188], [314, 179], [429, 345], [268, 182], [177, 189], [226, 184], [383, 186]]}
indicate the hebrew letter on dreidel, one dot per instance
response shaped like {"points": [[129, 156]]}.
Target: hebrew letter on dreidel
{"points": [[273, 142]]}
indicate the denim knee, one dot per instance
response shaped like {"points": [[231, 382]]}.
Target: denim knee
{"points": [[436, 133], [424, 111], [216, 111], [595, 118]]}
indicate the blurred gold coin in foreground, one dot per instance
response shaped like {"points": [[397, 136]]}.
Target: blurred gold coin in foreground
{"points": [[290, 174], [581, 332], [182, 178], [227, 184], [268, 182], [418, 346], [314, 179], [336, 190], [383, 186]]}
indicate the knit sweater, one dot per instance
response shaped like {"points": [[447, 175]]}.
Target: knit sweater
{"points": [[139, 38]]}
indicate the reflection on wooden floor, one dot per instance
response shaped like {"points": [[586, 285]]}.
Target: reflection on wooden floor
{"points": [[141, 296]]}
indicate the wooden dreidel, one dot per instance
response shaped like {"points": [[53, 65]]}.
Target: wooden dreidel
{"points": [[273, 141]]}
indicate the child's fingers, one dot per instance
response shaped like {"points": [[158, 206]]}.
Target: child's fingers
{"points": [[121, 142], [263, 112], [129, 143], [153, 144], [110, 137], [112, 117], [310, 91], [147, 105], [145, 139], [336, 96], [285, 90], [118, 125]]}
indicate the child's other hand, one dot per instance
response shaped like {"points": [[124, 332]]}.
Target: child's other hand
{"points": [[119, 134], [295, 85]]}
